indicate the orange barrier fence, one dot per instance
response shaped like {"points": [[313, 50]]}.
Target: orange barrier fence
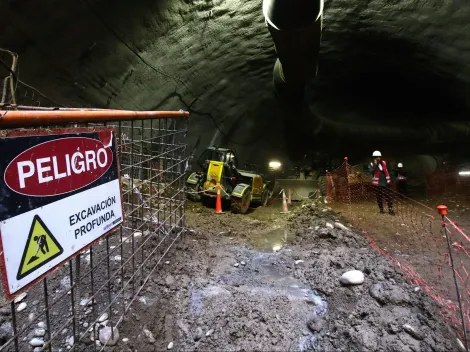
{"points": [[432, 250]]}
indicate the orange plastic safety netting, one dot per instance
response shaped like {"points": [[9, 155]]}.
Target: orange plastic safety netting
{"points": [[411, 234]]}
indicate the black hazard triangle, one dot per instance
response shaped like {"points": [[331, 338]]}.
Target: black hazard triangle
{"points": [[41, 247]]}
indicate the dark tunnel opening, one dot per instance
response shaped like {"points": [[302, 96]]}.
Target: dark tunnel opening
{"points": [[392, 77]]}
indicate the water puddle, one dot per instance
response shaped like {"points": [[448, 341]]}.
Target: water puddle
{"points": [[265, 280], [271, 241]]}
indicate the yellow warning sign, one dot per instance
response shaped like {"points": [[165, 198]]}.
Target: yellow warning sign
{"points": [[41, 247]]}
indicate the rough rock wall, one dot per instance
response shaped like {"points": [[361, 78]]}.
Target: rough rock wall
{"points": [[381, 61]]}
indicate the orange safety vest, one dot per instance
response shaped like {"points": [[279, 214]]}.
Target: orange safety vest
{"points": [[375, 178]]}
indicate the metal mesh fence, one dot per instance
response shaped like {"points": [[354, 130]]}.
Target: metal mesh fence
{"points": [[80, 305], [432, 251]]}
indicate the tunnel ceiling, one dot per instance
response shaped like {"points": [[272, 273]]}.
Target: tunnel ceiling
{"points": [[383, 63]]}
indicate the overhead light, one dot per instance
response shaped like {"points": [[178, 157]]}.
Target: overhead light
{"points": [[464, 173], [274, 165]]}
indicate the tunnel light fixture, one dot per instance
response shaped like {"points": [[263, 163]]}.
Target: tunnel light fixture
{"points": [[464, 173], [274, 165]]}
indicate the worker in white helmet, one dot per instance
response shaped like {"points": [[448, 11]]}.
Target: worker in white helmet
{"points": [[381, 182], [400, 176]]}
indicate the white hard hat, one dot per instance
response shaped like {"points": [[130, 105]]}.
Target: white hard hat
{"points": [[400, 165], [376, 153]]}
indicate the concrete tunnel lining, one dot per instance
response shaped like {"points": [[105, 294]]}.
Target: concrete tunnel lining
{"points": [[95, 69]]}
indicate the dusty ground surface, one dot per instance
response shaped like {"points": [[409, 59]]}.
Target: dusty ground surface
{"points": [[270, 282]]}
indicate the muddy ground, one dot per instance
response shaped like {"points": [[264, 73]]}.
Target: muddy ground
{"points": [[270, 282]]}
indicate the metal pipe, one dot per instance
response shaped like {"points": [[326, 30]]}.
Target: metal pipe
{"points": [[45, 108], [12, 119]]}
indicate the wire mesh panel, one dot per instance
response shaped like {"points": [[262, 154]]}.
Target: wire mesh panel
{"points": [[81, 304], [412, 235]]}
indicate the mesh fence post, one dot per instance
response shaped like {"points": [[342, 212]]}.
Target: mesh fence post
{"points": [[442, 210]]}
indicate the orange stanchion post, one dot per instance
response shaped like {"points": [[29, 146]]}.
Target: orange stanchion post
{"points": [[442, 210], [285, 210], [289, 197], [218, 202]]}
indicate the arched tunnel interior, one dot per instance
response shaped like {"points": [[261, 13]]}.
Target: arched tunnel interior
{"points": [[391, 77], [295, 81]]}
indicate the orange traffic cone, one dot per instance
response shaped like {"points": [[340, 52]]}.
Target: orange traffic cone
{"points": [[218, 202], [284, 203], [289, 197]]}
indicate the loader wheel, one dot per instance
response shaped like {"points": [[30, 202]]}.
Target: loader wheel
{"points": [[241, 206], [191, 192], [265, 197]]}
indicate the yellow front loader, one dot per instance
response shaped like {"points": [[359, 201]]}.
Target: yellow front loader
{"points": [[218, 169]]}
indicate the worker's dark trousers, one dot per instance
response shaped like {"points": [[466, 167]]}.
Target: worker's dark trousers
{"points": [[384, 192], [401, 188]]}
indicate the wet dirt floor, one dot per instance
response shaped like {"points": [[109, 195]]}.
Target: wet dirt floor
{"points": [[267, 281]]}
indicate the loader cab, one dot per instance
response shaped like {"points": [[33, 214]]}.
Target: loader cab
{"points": [[217, 154]]}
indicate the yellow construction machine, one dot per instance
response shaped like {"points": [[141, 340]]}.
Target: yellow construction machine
{"points": [[218, 170]]}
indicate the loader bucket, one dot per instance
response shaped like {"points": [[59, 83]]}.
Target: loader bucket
{"points": [[301, 189]]}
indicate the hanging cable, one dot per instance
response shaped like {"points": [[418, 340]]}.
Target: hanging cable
{"points": [[23, 83]]}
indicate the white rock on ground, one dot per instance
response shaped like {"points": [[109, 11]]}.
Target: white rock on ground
{"points": [[413, 332], [236, 265], [209, 333], [39, 332], [242, 263], [125, 340], [137, 234], [69, 341], [143, 300], [36, 342], [84, 302], [340, 226], [103, 317], [106, 338], [461, 345], [20, 297], [149, 335], [330, 226], [170, 346], [42, 325], [22, 306], [352, 277]]}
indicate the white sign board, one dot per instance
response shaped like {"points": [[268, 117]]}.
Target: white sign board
{"points": [[59, 193]]}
